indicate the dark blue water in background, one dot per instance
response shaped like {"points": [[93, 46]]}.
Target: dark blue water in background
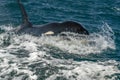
{"points": [[29, 58]]}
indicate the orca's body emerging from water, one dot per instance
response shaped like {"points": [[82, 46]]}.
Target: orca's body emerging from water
{"points": [[50, 28]]}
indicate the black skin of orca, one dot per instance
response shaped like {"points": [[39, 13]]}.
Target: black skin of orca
{"points": [[37, 30]]}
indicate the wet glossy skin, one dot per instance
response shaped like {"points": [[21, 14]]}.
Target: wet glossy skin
{"points": [[68, 26]]}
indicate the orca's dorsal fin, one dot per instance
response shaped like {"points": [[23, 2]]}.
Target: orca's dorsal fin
{"points": [[25, 19]]}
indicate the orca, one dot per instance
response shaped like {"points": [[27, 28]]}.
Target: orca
{"points": [[48, 29]]}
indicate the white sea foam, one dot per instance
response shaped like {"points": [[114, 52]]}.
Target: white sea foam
{"points": [[86, 70], [6, 27], [15, 67], [95, 43]]}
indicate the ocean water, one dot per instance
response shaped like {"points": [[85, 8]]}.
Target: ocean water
{"points": [[93, 57]]}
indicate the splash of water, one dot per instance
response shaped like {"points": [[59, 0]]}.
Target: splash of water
{"points": [[29, 57], [72, 43]]}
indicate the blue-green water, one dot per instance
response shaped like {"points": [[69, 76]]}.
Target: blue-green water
{"points": [[94, 57]]}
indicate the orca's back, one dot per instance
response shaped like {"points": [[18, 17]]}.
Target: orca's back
{"points": [[75, 27]]}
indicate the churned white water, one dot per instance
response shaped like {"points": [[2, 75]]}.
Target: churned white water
{"points": [[26, 57]]}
